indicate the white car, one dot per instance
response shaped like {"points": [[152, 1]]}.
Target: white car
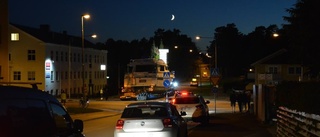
{"points": [[151, 119], [196, 108]]}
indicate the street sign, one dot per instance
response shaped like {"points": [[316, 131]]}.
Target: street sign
{"points": [[166, 75], [215, 72], [215, 80], [214, 90], [166, 83]]}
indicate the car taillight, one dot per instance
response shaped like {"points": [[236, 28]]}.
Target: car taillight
{"points": [[120, 124], [173, 101], [184, 94], [167, 122]]}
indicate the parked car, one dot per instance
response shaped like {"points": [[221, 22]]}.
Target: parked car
{"points": [[147, 119], [34, 113], [194, 82], [195, 106]]}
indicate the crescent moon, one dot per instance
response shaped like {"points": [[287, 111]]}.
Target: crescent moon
{"points": [[172, 17]]}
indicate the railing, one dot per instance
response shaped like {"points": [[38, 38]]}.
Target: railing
{"points": [[292, 123]]}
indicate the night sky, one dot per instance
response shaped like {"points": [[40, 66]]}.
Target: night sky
{"points": [[135, 19]]}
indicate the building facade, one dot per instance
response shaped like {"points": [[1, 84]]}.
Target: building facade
{"points": [[56, 60], [4, 40]]}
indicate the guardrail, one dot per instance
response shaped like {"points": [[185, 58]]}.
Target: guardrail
{"points": [[292, 123]]}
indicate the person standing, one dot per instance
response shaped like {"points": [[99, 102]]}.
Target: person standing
{"points": [[248, 100], [63, 97], [233, 100], [240, 100]]}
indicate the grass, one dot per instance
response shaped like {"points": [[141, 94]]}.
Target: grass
{"points": [[203, 90]]}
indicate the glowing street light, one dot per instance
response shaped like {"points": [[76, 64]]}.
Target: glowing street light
{"points": [[85, 16], [215, 50]]}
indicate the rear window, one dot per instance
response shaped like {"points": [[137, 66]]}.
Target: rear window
{"points": [[144, 112], [23, 117], [187, 100]]}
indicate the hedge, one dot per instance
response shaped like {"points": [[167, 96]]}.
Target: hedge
{"points": [[302, 96]]}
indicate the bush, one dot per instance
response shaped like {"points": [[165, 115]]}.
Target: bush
{"points": [[302, 96]]}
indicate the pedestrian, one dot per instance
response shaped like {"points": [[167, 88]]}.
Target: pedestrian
{"points": [[63, 97], [240, 100], [233, 100], [248, 99]]}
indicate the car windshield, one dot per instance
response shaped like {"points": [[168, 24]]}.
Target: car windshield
{"points": [[144, 112], [187, 100]]}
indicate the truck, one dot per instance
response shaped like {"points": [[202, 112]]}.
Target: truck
{"points": [[145, 79]]}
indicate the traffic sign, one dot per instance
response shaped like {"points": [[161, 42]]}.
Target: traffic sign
{"points": [[214, 90], [166, 74], [166, 83], [215, 80]]}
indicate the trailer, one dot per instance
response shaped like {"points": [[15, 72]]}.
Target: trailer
{"points": [[146, 79]]}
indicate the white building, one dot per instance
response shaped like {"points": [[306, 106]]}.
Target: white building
{"points": [[55, 60]]}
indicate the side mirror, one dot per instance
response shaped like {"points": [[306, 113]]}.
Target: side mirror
{"points": [[207, 102], [183, 113], [78, 125]]}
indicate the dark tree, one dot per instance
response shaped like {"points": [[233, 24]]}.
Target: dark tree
{"points": [[303, 32]]}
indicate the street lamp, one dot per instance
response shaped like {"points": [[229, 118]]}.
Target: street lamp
{"points": [[215, 50], [85, 16], [214, 89]]}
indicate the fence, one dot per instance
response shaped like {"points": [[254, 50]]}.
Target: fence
{"points": [[292, 123]]}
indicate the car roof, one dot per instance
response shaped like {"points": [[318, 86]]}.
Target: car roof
{"points": [[15, 92], [148, 103]]}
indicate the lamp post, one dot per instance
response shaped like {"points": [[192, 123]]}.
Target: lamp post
{"points": [[214, 89], [215, 50], [85, 16]]}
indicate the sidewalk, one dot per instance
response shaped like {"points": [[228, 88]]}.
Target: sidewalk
{"points": [[237, 125]]}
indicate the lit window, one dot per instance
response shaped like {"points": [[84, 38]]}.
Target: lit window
{"points": [[14, 36]]}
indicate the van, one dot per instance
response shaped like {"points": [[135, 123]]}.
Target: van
{"points": [[30, 112]]}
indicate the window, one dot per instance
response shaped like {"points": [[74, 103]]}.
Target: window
{"points": [[9, 57], [62, 119], [57, 75], [273, 70], [51, 76], [31, 75], [16, 75], [51, 55], [57, 56], [66, 57], [61, 56], [74, 57], [61, 74], [66, 75], [291, 70], [25, 116], [31, 55], [294, 70], [298, 70], [15, 37]]}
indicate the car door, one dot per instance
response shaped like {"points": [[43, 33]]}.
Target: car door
{"points": [[181, 122]]}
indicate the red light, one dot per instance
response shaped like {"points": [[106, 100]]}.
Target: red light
{"points": [[167, 122], [120, 124], [184, 93], [173, 101]]}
